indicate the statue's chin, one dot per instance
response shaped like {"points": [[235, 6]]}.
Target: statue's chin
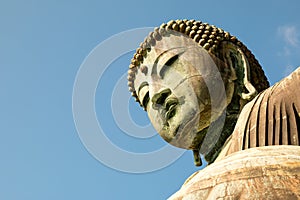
{"points": [[190, 133], [185, 132], [181, 130]]}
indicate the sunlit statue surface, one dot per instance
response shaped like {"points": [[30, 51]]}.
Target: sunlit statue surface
{"points": [[204, 90]]}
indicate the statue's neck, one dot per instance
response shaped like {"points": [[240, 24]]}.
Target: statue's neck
{"points": [[212, 153], [220, 130]]}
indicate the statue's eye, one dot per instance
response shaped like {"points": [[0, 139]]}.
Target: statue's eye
{"points": [[143, 94], [166, 66], [145, 100]]}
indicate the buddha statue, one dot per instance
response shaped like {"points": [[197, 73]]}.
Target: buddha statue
{"points": [[188, 75], [204, 91]]}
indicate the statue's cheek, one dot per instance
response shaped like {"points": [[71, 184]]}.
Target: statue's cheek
{"points": [[155, 118]]}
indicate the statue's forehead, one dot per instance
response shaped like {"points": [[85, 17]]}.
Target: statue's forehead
{"points": [[163, 50]]}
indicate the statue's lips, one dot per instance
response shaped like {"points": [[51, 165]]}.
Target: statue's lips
{"points": [[168, 135], [168, 114]]}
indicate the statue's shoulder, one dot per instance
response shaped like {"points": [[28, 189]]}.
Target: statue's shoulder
{"points": [[269, 172], [271, 118]]}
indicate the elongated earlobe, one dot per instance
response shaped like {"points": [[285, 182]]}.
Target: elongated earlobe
{"points": [[197, 158], [252, 92]]}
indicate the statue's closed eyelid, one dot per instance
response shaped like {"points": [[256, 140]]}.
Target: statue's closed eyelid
{"points": [[143, 84], [143, 93], [167, 65]]}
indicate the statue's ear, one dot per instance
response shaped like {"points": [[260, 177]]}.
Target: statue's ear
{"points": [[239, 66], [252, 92]]}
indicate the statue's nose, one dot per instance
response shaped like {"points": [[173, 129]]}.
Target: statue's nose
{"points": [[159, 98]]}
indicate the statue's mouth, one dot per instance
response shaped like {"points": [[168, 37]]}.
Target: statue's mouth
{"points": [[169, 135], [167, 112]]}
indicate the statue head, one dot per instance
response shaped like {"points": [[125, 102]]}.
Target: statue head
{"points": [[187, 75]]}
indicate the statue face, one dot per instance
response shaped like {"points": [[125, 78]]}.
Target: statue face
{"points": [[181, 88]]}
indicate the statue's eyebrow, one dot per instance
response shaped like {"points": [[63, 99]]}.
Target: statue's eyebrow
{"points": [[154, 69]]}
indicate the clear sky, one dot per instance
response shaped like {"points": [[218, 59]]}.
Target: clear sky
{"points": [[42, 46]]}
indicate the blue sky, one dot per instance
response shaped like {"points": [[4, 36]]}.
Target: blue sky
{"points": [[42, 46]]}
